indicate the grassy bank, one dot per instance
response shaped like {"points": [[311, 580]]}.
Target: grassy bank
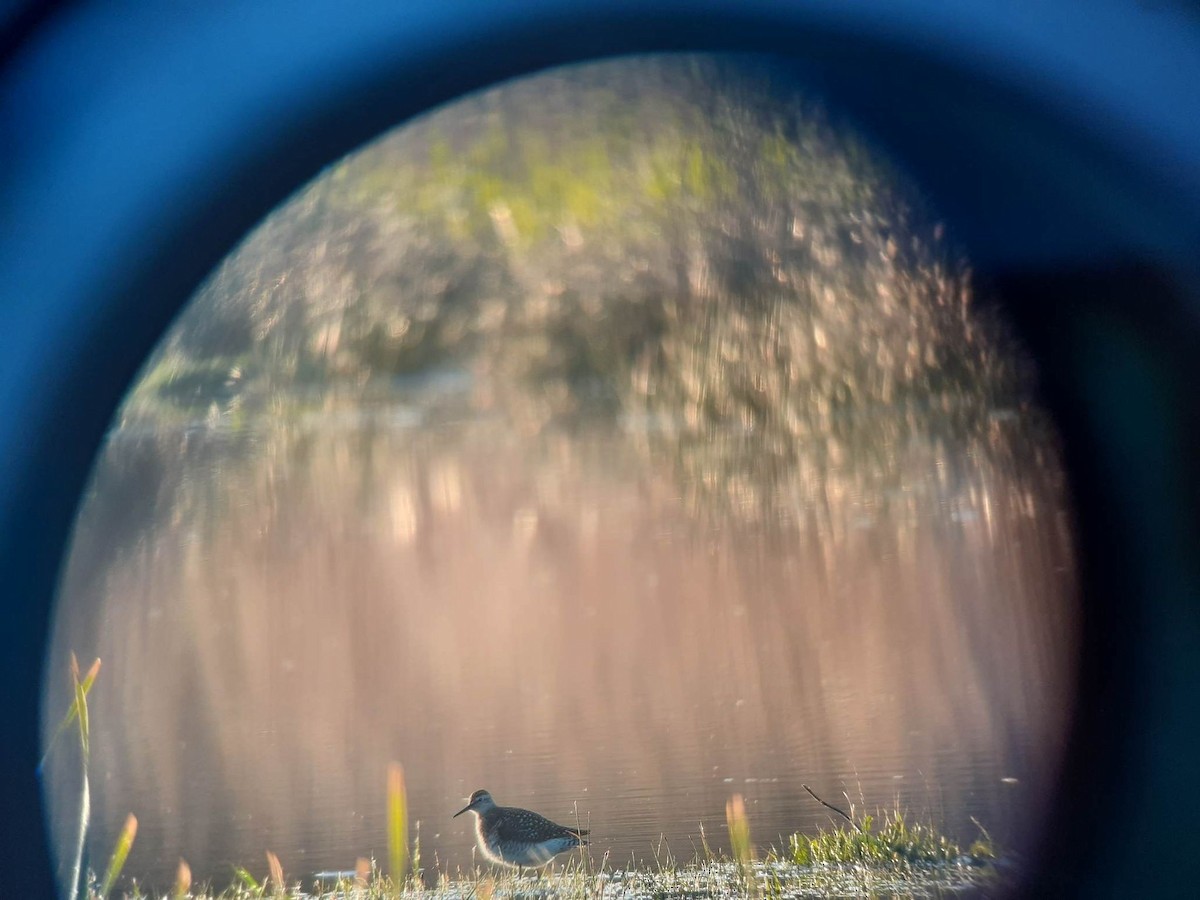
{"points": [[774, 877], [874, 857]]}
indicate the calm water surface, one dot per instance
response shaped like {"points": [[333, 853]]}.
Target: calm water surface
{"points": [[551, 618]]}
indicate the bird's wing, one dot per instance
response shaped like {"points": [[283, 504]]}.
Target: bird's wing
{"points": [[523, 825]]}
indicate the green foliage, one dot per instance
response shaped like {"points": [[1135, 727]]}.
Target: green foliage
{"points": [[77, 711], [116, 862], [894, 842], [249, 882], [982, 848], [667, 242]]}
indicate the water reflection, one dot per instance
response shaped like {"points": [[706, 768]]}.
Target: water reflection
{"points": [[613, 495]]}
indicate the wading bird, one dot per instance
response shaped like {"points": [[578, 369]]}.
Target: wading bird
{"points": [[517, 837]]}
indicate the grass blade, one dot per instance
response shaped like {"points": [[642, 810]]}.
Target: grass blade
{"points": [[73, 709], [85, 815], [82, 710], [120, 853], [362, 873], [397, 825], [183, 880], [739, 829], [739, 842], [247, 879], [276, 870], [90, 677]]}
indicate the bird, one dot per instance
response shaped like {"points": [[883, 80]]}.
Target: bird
{"points": [[518, 838]]}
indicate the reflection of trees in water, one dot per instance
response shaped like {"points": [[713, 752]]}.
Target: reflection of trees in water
{"points": [[547, 614], [621, 239], [737, 477]]}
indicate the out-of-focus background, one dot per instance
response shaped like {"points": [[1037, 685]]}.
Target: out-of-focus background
{"points": [[614, 440]]}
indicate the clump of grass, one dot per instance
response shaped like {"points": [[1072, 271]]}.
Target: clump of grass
{"points": [[247, 883], [893, 841], [983, 848]]}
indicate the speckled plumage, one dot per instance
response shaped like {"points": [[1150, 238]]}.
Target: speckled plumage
{"points": [[516, 837]]}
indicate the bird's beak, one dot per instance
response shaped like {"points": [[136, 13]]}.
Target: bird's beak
{"points": [[461, 811]]}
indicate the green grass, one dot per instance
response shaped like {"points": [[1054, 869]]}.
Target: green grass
{"points": [[892, 841], [120, 854], [724, 878], [890, 857]]}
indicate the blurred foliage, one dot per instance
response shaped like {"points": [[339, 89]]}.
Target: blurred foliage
{"points": [[686, 245]]}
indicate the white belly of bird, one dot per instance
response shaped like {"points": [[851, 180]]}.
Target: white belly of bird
{"points": [[525, 855]]}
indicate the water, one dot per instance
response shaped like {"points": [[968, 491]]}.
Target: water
{"points": [[612, 512], [548, 618]]}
